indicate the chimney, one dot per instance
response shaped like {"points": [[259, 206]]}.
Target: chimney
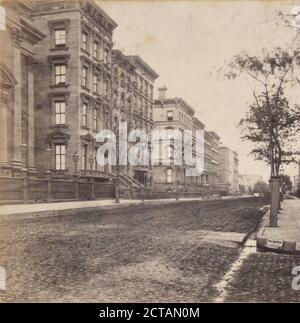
{"points": [[162, 93]]}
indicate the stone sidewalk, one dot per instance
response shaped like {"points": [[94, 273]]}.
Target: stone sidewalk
{"points": [[65, 208], [286, 237], [68, 208]]}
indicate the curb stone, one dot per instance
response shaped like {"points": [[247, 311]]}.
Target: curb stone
{"points": [[278, 246]]}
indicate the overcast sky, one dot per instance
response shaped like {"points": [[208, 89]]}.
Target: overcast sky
{"points": [[187, 41]]}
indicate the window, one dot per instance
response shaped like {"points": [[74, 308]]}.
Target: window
{"points": [[170, 115], [169, 175], [95, 83], [84, 76], [60, 157], [84, 118], [60, 37], [60, 113], [95, 119], [106, 54], [84, 156], [95, 49], [105, 87], [60, 74], [170, 152], [85, 41]]}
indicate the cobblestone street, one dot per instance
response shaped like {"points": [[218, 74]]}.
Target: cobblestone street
{"points": [[145, 253]]}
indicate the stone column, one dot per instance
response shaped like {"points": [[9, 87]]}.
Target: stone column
{"points": [[17, 125], [4, 105], [31, 154]]}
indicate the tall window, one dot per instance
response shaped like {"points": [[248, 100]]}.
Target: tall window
{"points": [[95, 119], [60, 74], [169, 175], [85, 41], [95, 83], [170, 115], [84, 118], [105, 89], [85, 76], [60, 157], [95, 49], [60, 37], [106, 55], [84, 156], [170, 152], [60, 113]]}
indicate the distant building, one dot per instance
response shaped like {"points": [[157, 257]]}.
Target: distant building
{"points": [[173, 114], [297, 180], [235, 173], [211, 165], [247, 183], [228, 171]]}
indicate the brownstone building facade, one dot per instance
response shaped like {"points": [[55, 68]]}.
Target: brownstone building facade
{"points": [[73, 86], [175, 113], [228, 171], [133, 87]]}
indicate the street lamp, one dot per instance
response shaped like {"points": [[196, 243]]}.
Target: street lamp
{"points": [[91, 162], [76, 160], [281, 173], [48, 158], [23, 149]]}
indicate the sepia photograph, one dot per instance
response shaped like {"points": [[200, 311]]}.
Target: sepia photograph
{"points": [[149, 154]]}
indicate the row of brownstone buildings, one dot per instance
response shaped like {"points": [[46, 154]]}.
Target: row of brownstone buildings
{"points": [[62, 81]]}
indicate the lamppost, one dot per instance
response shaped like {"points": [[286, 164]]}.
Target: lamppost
{"points": [[48, 174], [281, 172], [91, 162], [48, 158], [23, 149], [76, 160]]}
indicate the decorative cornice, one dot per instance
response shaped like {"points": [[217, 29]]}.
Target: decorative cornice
{"points": [[58, 137], [59, 95], [58, 23]]}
